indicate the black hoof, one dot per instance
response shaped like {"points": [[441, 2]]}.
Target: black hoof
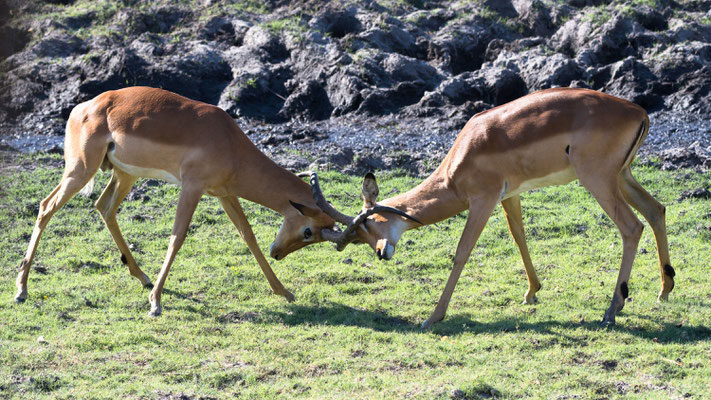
{"points": [[148, 286], [19, 300]]}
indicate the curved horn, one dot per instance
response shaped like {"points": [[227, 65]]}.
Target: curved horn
{"points": [[321, 201], [380, 209], [342, 239]]}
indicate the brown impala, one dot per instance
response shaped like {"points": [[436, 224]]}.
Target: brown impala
{"points": [[546, 138], [146, 132]]}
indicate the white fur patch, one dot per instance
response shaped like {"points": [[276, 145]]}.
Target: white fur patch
{"points": [[143, 172], [556, 178], [88, 189]]}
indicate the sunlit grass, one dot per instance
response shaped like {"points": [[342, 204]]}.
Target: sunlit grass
{"points": [[353, 331]]}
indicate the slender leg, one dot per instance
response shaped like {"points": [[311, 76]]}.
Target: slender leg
{"points": [[654, 213], [607, 193], [234, 211], [512, 209], [68, 187], [108, 204], [480, 209], [189, 199]]}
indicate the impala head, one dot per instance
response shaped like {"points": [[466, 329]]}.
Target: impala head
{"points": [[302, 226], [377, 225]]}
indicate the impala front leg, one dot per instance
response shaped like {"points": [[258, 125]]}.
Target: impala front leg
{"points": [[236, 214], [480, 208], [69, 185], [189, 199]]}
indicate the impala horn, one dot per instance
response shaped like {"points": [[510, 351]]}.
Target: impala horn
{"points": [[348, 235]]}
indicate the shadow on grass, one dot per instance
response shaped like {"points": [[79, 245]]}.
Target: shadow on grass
{"points": [[339, 314]]}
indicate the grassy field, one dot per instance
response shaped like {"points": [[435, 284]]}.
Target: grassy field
{"points": [[353, 331]]}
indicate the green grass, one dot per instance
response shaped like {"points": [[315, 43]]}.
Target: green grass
{"points": [[353, 331]]}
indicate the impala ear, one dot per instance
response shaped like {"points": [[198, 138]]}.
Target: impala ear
{"points": [[306, 211], [370, 190]]}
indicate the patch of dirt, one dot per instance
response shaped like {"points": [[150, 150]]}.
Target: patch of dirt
{"points": [[237, 317]]}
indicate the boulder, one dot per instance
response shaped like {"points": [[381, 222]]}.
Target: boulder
{"points": [[336, 22], [540, 70], [459, 47], [308, 101], [632, 80]]}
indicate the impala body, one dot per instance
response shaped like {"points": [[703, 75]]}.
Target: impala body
{"points": [[147, 132], [546, 138]]}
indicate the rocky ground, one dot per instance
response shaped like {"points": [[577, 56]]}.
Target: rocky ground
{"points": [[358, 85]]}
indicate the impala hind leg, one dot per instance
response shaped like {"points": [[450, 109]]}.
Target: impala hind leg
{"points": [[236, 215], [108, 204], [71, 183], [480, 209], [189, 199], [607, 193], [512, 209], [654, 213]]}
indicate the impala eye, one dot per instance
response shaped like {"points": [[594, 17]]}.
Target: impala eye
{"points": [[307, 233]]}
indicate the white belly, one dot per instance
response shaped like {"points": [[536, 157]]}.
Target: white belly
{"points": [[142, 172], [556, 178]]}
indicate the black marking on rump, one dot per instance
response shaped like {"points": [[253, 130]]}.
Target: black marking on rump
{"points": [[123, 259], [640, 136], [567, 150], [669, 271], [624, 289]]}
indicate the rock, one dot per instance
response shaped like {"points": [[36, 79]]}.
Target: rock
{"points": [[13, 41], [219, 28], [344, 92], [430, 20], [693, 96], [257, 89], [539, 70], [59, 45], [393, 40], [337, 22], [535, 16], [699, 193], [309, 101], [632, 80], [694, 156], [594, 41], [269, 46], [342, 157], [459, 47], [162, 19], [403, 69], [389, 100]]}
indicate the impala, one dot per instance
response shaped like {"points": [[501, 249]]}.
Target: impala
{"points": [[546, 138], [147, 132]]}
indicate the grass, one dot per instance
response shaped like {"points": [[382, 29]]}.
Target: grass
{"points": [[353, 331]]}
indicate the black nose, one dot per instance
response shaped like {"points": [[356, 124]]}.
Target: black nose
{"points": [[276, 257]]}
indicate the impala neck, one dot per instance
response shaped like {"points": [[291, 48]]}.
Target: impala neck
{"points": [[271, 185], [431, 201]]}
